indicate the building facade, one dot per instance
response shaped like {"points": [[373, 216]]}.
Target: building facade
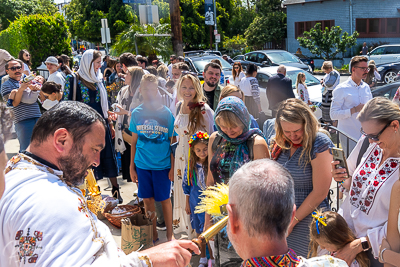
{"points": [[374, 20]]}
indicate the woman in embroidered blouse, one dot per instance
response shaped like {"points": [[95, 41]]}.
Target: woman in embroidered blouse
{"points": [[374, 183], [193, 114], [303, 149], [90, 89], [301, 87], [228, 149]]}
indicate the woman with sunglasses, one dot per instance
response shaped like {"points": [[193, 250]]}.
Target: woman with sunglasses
{"points": [[369, 185], [237, 74], [192, 114], [25, 57]]}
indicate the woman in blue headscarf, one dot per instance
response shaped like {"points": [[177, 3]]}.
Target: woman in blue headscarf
{"points": [[234, 143], [232, 146]]}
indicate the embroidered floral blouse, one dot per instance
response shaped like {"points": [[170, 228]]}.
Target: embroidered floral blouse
{"points": [[366, 207], [84, 91]]}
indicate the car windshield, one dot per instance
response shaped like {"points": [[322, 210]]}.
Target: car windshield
{"points": [[386, 90], [201, 63], [310, 80], [282, 57]]}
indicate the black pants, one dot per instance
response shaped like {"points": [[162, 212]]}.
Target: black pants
{"points": [[126, 163]]}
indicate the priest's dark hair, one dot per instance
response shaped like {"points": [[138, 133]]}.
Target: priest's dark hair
{"points": [[76, 117]]}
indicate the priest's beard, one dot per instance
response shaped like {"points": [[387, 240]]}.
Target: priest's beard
{"points": [[74, 166]]}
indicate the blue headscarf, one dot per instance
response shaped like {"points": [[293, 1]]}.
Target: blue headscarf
{"points": [[241, 153], [237, 107]]}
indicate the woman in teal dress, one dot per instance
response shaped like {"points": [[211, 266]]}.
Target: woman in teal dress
{"points": [[90, 90]]}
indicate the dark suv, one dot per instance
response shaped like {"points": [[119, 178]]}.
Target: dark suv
{"points": [[266, 58]]}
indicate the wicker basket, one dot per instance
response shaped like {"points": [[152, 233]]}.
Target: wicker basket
{"points": [[115, 219]]}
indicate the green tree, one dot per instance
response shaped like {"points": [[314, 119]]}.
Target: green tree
{"points": [[327, 43], [84, 17], [147, 46], [42, 35], [269, 28], [236, 43], [163, 9], [12, 9], [240, 19]]}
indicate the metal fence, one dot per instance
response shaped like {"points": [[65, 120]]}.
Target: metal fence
{"points": [[335, 134]]}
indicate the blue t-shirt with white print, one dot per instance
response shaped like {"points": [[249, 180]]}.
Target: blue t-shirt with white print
{"points": [[154, 128]]}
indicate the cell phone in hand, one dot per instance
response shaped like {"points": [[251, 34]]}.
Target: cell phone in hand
{"points": [[338, 155]]}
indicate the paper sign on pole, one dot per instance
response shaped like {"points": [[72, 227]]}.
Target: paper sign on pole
{"points": [[218, 38]]}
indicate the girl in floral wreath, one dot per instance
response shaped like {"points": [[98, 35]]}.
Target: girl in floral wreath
{"points": [[194, 182], [192, 115], [329, 233]]}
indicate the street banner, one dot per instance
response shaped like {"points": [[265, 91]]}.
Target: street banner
{"points": [[209, 7]]}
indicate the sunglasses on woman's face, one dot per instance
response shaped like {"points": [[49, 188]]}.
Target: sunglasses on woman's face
{"points": [[375, 137], [236, 67]]}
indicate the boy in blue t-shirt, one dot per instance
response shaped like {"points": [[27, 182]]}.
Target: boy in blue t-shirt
{"points": [[152, 127]]}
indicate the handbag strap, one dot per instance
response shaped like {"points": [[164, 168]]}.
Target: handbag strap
{"points": [[74, 87]]}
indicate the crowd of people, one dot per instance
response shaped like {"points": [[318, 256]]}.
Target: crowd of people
{"points": [[177, 136]]}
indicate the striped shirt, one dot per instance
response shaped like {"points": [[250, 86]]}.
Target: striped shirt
{"points": [[23, 111]]}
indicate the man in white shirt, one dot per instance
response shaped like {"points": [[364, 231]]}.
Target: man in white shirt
{"points": [[348, 100], [172, 59], [44, 219], [55, 76]]}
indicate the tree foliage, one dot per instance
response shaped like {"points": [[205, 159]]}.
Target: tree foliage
{"points": [[42, 35], [268, 26], [84, 17], [327, 43], [236, 43], [12, 9], [147, 46]]}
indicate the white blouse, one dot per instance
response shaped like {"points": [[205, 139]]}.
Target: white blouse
{"points": [[366, 207], [236, 81]]}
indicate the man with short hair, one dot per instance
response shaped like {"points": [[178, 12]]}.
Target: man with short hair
{"points": [[177, 69], [44, 216], [127, 60], [348, 99], [172, 59], [181, 59], [211, 86], [261, 208], [53, 65], [279, 88], [25, 115], [4, 57], [364, 49], [142, 62]]}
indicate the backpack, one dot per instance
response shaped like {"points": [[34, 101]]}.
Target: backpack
{"points": [[249, 142]]}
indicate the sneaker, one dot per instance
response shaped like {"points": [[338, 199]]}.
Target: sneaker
{"points": [[161, 226]]}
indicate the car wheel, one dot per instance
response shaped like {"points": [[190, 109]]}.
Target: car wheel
{"points": [[389, 76]]}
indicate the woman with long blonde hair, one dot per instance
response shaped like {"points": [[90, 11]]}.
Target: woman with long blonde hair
{"points": [[192, 115], [302, 148], [301, 87]]}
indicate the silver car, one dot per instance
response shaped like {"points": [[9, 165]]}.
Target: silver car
{"points": [[313, 85]]}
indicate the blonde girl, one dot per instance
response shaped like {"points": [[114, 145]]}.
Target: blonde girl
{"points": [[301, 87]]}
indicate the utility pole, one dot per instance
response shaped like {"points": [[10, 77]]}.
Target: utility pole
{"points": [[176, 27], [215, 14]]}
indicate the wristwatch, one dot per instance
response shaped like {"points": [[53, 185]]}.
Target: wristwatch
{"points": [[364, 243]]}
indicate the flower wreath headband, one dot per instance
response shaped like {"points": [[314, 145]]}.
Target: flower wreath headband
{"points": [[198, 135]]}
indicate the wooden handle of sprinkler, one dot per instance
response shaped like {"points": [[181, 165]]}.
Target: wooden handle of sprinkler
{"points": [[210, 232]]}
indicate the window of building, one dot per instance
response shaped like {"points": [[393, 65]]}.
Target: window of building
{"points": [[378, 27], [301, 27]]}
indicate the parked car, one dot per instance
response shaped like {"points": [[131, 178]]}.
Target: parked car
{"points": [[201, 52], [387, 90], [388, 71], [197, 64], [266, 58], [307, 60], [238, 57], [313, 85], [385, 54]]}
